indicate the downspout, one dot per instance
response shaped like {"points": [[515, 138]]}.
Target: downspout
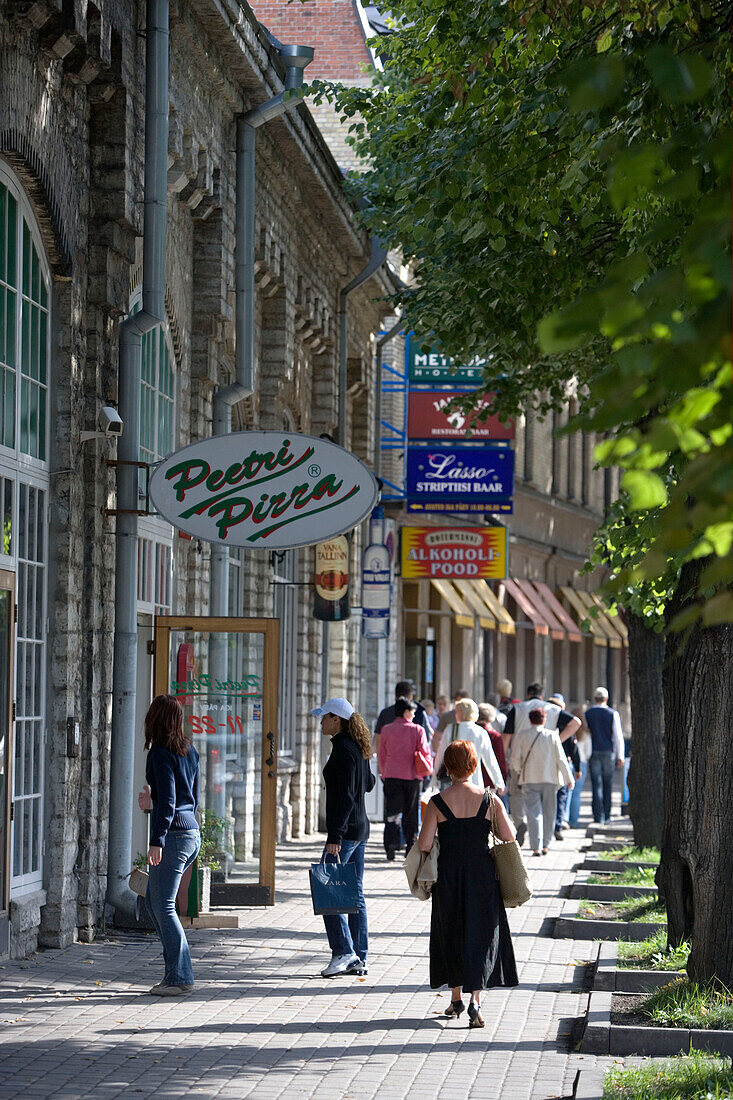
{"points": [[295, 60], [132, 330], [376, 259], [381, 343]]}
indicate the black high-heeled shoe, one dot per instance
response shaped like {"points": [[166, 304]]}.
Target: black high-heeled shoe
{"points": [[475, 1019], [455, 1009]]}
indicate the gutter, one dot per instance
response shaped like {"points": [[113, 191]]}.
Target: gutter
{"points": [[376, 259], [124, 683]]}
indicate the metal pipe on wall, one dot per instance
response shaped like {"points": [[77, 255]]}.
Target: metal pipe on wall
{"points": [[132, 330]]}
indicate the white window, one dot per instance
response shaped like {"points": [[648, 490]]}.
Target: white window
{"points": [[157, 439], [25, 293]]}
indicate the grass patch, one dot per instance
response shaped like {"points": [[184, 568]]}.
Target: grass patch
{"points": [[694, 1076], [633, 876], [652, 954], [683, 1003], [628, 851], [648, 910]]}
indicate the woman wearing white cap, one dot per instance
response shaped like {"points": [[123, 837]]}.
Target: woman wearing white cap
{"points": [[348, 777]]}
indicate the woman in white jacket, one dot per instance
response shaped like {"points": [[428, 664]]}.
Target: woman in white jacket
{"points": [[541, 767], [465, 729]]}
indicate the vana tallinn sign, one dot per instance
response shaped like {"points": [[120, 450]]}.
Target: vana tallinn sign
{"points": [[263, 490]]}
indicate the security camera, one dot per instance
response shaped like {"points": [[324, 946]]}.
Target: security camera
{"points": [[110, 424], [110, 421]]}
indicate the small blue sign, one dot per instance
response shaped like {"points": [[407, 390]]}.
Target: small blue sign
{"points": [[460, 479]]}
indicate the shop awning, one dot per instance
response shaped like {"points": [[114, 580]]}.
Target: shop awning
{"points": [[472, 597], [581, 610], [557, 630], [613, 621], [462, 614], [492, 601], [527, 606], [551, 601]]}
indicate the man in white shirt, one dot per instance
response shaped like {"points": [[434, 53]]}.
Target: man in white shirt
{"points": [[517, 720], [607, 739]]}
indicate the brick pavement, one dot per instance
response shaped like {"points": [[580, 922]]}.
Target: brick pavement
{"points": [[261, 1022]]}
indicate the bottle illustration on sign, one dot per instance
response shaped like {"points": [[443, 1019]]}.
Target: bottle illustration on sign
{"points": [[331, 602], [376, 581]]}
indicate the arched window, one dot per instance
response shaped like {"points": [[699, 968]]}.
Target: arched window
{"points": [[25, 302]]}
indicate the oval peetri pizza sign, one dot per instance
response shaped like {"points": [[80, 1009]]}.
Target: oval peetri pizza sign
{"points": [[264, 490]]}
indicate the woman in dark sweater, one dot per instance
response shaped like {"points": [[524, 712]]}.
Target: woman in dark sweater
{"points": [[171, 794], [348, 777]]}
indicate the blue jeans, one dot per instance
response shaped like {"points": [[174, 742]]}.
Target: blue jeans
{"points": [[575, 795], [602, 766], [563, 804], [350, 936], [181, 848]]}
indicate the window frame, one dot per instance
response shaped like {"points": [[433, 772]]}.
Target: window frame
{"points": [[25, 214]]}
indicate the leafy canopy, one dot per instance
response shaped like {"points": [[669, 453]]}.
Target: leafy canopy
{"points": [[558, 175]]}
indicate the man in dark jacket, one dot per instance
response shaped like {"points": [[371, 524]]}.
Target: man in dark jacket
{"points": [[405, 689]]}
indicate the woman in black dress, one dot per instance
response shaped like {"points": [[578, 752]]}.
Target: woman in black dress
{"points": [[470, 945]]}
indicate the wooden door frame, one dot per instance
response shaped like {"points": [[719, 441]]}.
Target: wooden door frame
{"points": [[163, 625], [7, 583]]}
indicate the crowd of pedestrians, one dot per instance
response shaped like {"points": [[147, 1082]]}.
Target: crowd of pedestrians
{"points": [[506, 767]]}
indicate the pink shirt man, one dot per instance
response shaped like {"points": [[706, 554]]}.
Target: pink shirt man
{"points": [[398, 742]]}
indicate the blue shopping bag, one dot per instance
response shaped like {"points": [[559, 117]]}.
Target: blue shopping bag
{"points": [[334, 888]]}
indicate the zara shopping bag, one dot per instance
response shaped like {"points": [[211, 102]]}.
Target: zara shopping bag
{"points": [[334, 888]]}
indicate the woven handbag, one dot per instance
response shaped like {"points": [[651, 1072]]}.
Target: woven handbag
{"points": [[510, 869]]}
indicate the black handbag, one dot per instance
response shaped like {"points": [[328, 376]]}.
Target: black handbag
{"points": [[334, 888]]}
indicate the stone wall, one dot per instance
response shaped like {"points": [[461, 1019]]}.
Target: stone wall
{"points": [[72, 127]]}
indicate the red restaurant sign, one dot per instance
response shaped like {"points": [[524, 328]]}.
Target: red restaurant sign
{"points": [[427, 419]]}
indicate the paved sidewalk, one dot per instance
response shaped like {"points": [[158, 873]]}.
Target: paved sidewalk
{"points": [[262, 1022]]}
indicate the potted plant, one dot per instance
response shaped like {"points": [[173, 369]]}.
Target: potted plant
{"points": [[210, 854]]}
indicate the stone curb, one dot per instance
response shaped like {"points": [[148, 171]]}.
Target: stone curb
{"points": [[609, 978], [603, 1037], [591, 864], [581, 888], [624, 832], [569, 926], [590, 1083]]}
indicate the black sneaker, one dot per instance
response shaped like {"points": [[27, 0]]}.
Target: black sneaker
{"points": [[558, 834], [390, 855], [521, 833], [360, 969]]}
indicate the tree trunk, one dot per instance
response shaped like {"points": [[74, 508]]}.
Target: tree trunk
{"points": [[646, 658], [695, 870]]}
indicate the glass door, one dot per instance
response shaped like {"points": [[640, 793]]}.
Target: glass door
{"points": [[224, 673], [7, 630]]}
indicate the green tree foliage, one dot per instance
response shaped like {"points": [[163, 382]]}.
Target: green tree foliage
{"points": [[558, 175]]}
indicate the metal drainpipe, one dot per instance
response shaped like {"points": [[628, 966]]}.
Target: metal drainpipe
{"points": [[381, 342], [295, 59], [376, 259], [132, 330]]}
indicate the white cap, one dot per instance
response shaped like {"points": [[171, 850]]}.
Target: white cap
{"points": [[341, 707], [600, 693]]}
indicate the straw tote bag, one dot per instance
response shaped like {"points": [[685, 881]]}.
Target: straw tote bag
{"points": [[510, 869]]}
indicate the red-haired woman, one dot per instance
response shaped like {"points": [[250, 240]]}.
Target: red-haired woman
{"points": [[172, 794], [470, 945]]}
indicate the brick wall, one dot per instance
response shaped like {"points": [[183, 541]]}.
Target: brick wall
{"points": [[332, 27]]}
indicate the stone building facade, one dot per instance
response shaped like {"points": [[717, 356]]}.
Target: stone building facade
{"points": [[71, 183]]}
